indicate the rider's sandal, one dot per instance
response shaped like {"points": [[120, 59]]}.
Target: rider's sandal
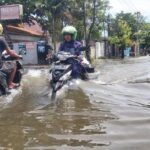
{"points": [[13, 86]]}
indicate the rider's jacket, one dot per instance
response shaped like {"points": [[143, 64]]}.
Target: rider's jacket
{"points": [[74, 47]]}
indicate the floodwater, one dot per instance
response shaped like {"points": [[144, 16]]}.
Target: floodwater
{"points": [[109, 113]]}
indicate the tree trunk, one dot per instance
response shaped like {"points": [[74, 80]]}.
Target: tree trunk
{"points": [[88, 51], [85, 33], [122, 52], [53, 33], [84, 20]]}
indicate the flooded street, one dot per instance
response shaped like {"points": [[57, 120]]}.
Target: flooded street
{"points": [[110, 113]]}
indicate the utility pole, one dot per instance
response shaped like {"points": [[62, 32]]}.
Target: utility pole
{"points": [[109, 34], [137, 40], [108, 25], [84, 22], [104, 29]]}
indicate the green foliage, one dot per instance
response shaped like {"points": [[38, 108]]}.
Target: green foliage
{"points": [[135, 21], [144, 36], [90, 19], [54, 14], [122, 33], [134, 30], [88, 16]]}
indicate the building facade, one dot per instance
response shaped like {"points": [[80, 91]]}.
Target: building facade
{"points": [[24, 37]]}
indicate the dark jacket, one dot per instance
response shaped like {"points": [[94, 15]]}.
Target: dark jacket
{"points": [[74, 47]]}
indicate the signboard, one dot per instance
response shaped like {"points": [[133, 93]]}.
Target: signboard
{"points": [[22, 49], [30, 45], [11, 12]]}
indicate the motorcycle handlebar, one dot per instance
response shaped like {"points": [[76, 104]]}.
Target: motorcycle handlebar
{"points": [[9, 58]]}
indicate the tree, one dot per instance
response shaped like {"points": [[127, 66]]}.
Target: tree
{"points": [[121, 36], [53, 11], [144, 36], [88, 16], [48, 13], [135, 21]]}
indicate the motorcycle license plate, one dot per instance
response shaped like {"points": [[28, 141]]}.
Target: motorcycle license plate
{"points": [[61, 67]]}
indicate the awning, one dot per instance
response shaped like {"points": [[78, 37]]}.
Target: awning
{"points": [[23, 30]]}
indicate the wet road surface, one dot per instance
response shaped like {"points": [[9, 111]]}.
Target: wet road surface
{"points": [[110, 113]]}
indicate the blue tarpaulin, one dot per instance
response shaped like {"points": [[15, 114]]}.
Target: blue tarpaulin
{"points": [[127, 52]]}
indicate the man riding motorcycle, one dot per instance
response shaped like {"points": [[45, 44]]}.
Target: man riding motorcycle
{"points": [[4, 47], [71, 45]]}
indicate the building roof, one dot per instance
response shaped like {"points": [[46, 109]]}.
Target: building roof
{"points": [[34, 29]]}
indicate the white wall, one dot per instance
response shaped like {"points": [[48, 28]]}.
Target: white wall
{"points": [[31, 56], [100, 50]]}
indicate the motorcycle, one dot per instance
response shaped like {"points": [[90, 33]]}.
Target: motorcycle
{"points": [[4, 76], [61, 71]]}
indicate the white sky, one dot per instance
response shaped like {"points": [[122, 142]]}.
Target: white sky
{"points": [[142, 6]]}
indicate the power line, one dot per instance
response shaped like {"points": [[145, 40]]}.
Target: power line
{"points": [[124, 3], [132, 3], [129, 5]]}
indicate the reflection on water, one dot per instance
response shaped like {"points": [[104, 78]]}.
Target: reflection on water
{"points": [[110, 116], [73, 122]]}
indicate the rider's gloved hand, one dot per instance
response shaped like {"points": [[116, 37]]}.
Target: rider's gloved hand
{"points": [[80, 58]]}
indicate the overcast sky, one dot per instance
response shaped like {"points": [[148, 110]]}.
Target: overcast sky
{"points": [[142, 6]]}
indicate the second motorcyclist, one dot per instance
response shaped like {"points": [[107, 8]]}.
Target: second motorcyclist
{"points": [[12, 67]]}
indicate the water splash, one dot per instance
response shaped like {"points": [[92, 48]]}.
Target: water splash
{"points": [[6, 100]]}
